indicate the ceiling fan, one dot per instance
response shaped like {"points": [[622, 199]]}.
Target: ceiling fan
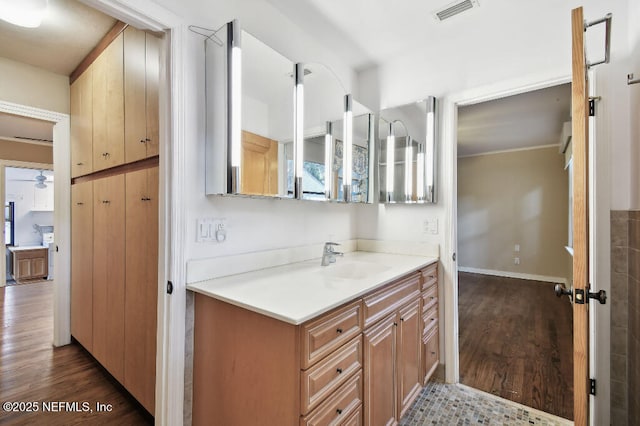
{"points": [[40, 179]]}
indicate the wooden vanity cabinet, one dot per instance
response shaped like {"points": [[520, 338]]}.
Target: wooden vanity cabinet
{"points": [[360, 364], [29, 264]]}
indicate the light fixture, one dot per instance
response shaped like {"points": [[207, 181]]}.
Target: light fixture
{"points": [[298, 127], [429, 160], [234, 104], [347, 147], [420, 173], [40, 179], [391, 146], [328, 160], [24, 13], [408, 170]]}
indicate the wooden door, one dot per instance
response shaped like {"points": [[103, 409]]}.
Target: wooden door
{"points": [[580, 137], [259, 165], [409, 353], [109, 273], [141, 294], [379, 373], [135, 132], [108, 107], [82, 263], [81, 108]]}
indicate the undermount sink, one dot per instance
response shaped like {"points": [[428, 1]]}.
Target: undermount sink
{"points": [[353, 269]]}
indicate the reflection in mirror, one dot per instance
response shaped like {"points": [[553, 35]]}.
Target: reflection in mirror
{"points": [[254, 84], [407, 153]]}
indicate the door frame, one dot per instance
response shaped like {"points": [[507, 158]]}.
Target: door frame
{"points": [[600, 213], [3, 196], [174, 72]]}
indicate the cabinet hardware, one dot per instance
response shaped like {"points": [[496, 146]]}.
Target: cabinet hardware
{"points": [[339, 370], [581, 295], [339, 411], [145, 199], [147, 140], [402, 319], [80, 204], [431, 277], [169, 287], [395, 324], [143, 141], [339, 331], [106, 155], [433, 353], [105, 201], [433, 319], [79, 164], [592, 386], [433, 297]]}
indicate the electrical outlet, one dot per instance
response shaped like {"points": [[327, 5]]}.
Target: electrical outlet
{"points": [[516, 260], [425, 226], [516, 248], [211, 230], [433, 226]]}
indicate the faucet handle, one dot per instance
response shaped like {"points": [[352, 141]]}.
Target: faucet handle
{"points": [[329, 243]]}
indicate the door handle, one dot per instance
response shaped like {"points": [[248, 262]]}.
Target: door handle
{"points": [[561, 290]]}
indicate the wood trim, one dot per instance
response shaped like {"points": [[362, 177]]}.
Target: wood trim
{"points": [[580, 135], [113, 33], [147, 163]]}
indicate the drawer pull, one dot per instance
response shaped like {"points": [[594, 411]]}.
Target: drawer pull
{"points": [[339, 331], [402, 319], [339, 370], [105, 201], [339, 411], [106, 155], [147, 140], [433, 297], [79, 164], [80, 204], [431, 277], [433, 319], [143, 141], [433, 353]]}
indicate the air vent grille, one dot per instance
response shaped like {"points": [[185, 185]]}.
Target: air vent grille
{"points": [[32, 139], [455, 9]]}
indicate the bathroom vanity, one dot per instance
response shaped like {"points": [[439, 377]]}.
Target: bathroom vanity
{"points": [[348, 344], [29, 262]]}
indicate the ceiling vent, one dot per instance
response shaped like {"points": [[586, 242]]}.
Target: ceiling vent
{"points": [[454, 9]]}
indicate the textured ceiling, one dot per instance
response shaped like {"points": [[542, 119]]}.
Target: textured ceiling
{"points": [[521, 121], [69, 31]]}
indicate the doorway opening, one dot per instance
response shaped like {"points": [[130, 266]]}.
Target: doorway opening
{"points": [[515, 336]]}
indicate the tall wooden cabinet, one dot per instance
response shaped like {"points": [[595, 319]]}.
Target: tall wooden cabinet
{"points": [[82, 263], [141, 278], [108, 273], [114, 219]]}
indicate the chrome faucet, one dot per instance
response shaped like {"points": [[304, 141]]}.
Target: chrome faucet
{"points": [[328, 254]]}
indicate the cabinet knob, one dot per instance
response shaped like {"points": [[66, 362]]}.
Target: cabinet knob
{"points": [[105, 201], [79, 204], [433, 353], [339, 411], [431, 277], [395, 324], [143, 141], [402, 319], [433, 319], [147, 140], [80, 164], [339, 331], [106, 155], [145, 199], [339, 370]]}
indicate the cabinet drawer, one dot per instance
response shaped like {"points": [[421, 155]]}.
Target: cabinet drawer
{"points": [[429, 276], [430, 355], [355, 419], [340, 406], [385, 301], [327, 333], [322, 379], [429, 298], [430, 320]]}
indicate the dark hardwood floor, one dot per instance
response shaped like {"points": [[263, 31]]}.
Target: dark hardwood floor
{"points": [[33, 371], [516, 341]]}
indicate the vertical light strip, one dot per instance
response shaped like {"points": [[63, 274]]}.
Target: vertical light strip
{"points": [[408, 170], [328, 160], [234, 106], [298, 128], [420, 173], [430, 160], [371, 155], [391, 146], [347, 162]]}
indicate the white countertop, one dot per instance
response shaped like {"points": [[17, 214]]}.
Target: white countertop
{"points": [[298, 292], [20, 248]]}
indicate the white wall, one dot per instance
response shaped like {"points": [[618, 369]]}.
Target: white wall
{"points": [[252, 224], [27, 85]]}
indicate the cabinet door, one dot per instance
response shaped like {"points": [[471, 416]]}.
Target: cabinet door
{"points": [[141, 292], [141, 76], [152, 99], [82, 263], [108, 107], [431, 354], [81, 108], [23, 268], [379, 373], [409, 353], [135, 132], [39, 267], [259, 165], [108, 273]]}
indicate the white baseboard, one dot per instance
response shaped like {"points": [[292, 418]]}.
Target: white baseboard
{"points": [[519, 275]]}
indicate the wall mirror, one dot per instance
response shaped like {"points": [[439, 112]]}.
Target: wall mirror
{"points": [[407, 153], [253, 134]]}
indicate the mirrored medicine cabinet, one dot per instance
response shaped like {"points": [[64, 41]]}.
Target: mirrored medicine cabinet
{"points": [[276, 128], [407, 153]]}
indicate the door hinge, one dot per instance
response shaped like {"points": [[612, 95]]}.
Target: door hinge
{"points": [[592, 107], [169, 287], [592, 387], [580, 296]]}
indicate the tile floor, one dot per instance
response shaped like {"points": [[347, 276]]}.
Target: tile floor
{"points": [[445, 404]]}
